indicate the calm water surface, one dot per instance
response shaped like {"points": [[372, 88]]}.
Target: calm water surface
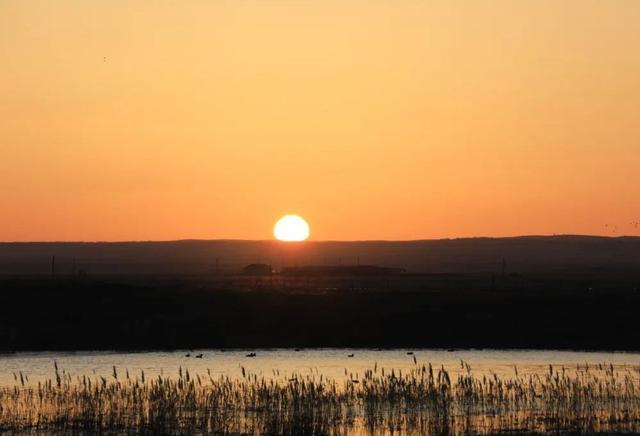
{"points": [[279, 363]]}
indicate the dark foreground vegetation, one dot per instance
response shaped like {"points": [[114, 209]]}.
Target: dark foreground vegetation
{"points": [[574, 309], [421, 401]]}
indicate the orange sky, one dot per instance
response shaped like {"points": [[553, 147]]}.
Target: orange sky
{"points": [[378, 119]]}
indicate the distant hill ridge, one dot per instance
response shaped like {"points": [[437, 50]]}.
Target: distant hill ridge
{"points": [[465, 255]]}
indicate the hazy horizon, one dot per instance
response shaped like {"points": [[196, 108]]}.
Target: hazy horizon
{"points": [[311, 241]]}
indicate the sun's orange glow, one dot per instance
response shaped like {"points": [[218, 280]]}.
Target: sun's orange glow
{"points": [[291, 228], [379, 119]]}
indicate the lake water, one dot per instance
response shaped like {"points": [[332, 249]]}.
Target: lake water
{"points": [[279, 363]]}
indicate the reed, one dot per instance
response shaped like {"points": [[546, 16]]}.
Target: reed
{"points": [[422, 400]]}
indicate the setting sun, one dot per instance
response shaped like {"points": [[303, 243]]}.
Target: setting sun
{"points": [[291, 228]]}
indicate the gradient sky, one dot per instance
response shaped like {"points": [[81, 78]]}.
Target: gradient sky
{"points": [[379, 119]]}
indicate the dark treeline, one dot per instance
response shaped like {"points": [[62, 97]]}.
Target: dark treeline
{"points": [[577, 310]]}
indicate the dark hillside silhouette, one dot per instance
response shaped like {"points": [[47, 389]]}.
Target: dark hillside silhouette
{"points": [[532, 292], [519, 255]]}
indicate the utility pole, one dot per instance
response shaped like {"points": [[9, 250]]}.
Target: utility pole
{"points": [[53, 268]]}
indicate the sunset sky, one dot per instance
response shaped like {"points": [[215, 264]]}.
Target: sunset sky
{"points": [[378, 119]]}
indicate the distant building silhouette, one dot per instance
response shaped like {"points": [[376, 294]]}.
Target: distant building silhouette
{"points": [[257, 269], [340, 270]]}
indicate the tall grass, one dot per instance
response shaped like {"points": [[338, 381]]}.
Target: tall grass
{"points": [[421, 400]]}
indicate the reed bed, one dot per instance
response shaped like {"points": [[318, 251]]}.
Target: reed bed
{"points": [[380, 401]]}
